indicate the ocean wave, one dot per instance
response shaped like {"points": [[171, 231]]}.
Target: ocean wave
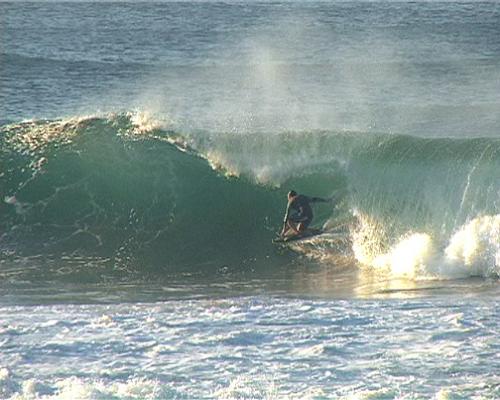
{"points": [[134, 193]]}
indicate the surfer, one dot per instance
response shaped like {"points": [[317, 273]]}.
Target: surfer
{"points": [[302, 214]]}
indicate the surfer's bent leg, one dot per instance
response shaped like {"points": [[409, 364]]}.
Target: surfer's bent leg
{"points": [[301, 221], [304, 224], [291, 225]]}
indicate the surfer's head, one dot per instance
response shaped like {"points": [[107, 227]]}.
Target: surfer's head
{"points": [[292, 194]]}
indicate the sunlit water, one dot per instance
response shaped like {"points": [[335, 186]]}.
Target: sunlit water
{"points": [[136, 222]]}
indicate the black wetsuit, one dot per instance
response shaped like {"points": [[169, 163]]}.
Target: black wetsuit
{"points": [[302, 210]]}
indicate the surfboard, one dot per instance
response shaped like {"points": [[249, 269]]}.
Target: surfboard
{"points": [[304, 235]]}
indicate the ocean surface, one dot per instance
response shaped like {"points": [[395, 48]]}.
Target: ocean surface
{"points": [[146, 150]]}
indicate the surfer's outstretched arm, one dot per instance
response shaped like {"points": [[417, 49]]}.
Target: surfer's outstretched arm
{"points": [[319, 200], [286, 224]]}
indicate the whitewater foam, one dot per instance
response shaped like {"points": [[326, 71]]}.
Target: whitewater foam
{"points": [[251, 347], [474, 250], [475, 247], [146, 122]]}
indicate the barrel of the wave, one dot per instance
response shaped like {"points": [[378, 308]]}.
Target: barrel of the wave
{"points": [[137, 201]]}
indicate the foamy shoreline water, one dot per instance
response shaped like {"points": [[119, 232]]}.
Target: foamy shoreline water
{"points": [[251, 347]]}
